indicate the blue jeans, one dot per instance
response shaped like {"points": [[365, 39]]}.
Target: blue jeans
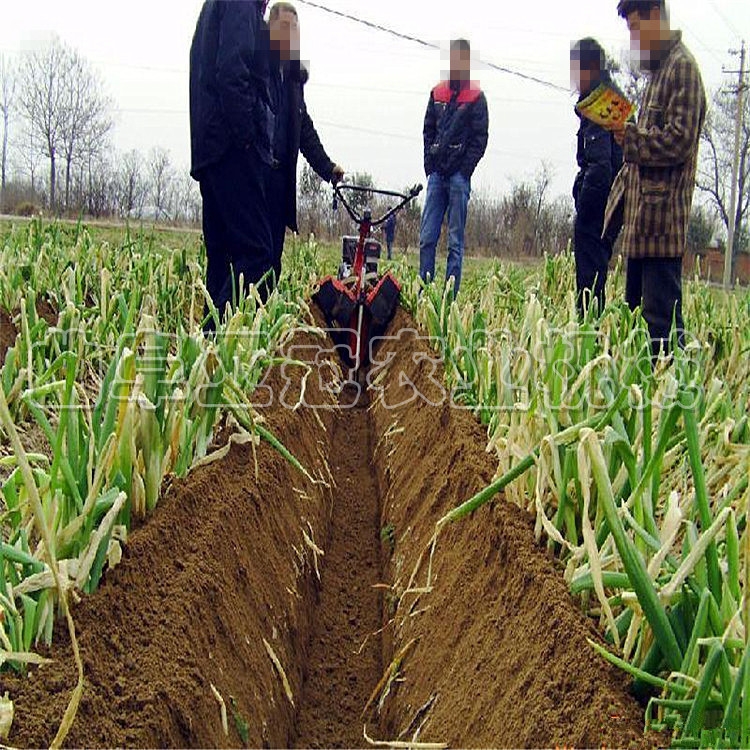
{"points": [[449, 194]]}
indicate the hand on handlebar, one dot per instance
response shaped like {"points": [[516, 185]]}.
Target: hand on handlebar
{"points": [[337, 175]]}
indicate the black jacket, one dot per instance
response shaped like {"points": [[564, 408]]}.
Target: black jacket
{"points": [[599, 160], [303, 137], [456, 129], [229, 95]]}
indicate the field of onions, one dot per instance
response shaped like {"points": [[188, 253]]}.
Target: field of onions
{"points": [[637, 477], [122, 389]]}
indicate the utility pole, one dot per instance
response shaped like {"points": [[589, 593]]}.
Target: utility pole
{"points": [[729, 254]]}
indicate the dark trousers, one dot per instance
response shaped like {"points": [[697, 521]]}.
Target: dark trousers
{"points": [[236, 228], [655, 285], [277, 194], [389, 245], [592, 256]]}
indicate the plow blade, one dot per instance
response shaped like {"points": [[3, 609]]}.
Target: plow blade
{"points": [[382, 303], [342, 311], [336, 301]]}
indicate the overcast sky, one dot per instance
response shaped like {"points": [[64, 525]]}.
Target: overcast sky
{"points": [[368, 91]]}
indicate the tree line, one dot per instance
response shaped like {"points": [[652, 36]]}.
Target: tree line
{"points": [[57, 152]]}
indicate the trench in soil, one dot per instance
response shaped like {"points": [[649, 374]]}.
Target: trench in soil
{"points": [[289, 599], [345, 659]]}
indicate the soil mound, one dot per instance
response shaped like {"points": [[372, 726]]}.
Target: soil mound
{"points": [[8, 334], [500, 657], [221, 566]]}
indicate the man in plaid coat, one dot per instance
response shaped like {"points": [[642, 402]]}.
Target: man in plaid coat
{"points": [[653, 193]]}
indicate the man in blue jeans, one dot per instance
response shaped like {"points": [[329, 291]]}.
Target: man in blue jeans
{"points": [[455, 138]]}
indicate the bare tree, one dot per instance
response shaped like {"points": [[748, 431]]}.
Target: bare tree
{"points": [[161, 176], [96, 153], [360, 200], [715, 170], [7, 94], [312, 196], [410, 220], [186, 199], [43, 95], [701, 229], [93, 184], [542, 181], [26, 183], [526, 222], [195, 205], [27, 155], [131, 191], [86, 117]]}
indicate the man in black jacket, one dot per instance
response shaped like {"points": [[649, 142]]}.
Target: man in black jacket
{"points": [[231, 150], [455, 138], [293, 129], [599, 161]]}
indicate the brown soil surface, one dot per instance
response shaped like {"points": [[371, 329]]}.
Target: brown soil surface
{"points": [[501, 658], [8, 330], [345, 662], [33, 439], [494, 656], [8, 334], [221, 566], [46, 310]]}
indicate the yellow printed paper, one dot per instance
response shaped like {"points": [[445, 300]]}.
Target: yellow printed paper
{"points": [[606, 107]]}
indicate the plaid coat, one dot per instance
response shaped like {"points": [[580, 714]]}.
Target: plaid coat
{"points": [[653, 193]]}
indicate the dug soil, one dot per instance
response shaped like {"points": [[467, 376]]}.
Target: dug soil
{"points": [[216, 591], [302, 604], [8, 334], [496, 654], [8, 331], [345, 660]]}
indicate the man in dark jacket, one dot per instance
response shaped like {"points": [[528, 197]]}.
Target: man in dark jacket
{"points": [[389, 230], [293, 129], [599, 160], [231, 149], [455, 139]]}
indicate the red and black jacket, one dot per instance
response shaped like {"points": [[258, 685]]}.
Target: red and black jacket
{"points": [[455, 128]]}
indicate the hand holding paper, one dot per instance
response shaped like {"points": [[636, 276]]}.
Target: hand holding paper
{"points": [[606, 107]]}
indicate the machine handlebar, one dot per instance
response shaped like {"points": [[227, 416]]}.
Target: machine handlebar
{"points": [[338, 195]]}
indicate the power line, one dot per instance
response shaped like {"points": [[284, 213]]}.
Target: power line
{"points": [[417, 137], [430, 45], [146, 111], [413, 93], [700, 41], [723, 17], [353, 87]]}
